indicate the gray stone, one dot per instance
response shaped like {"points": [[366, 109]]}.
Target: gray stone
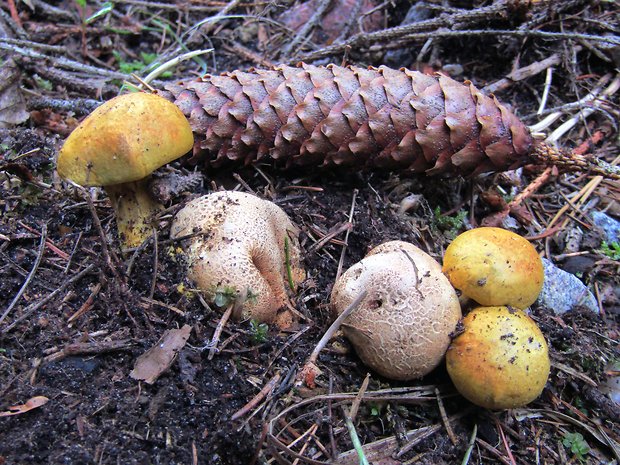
{"points": [[608, 225], [563, 291]]}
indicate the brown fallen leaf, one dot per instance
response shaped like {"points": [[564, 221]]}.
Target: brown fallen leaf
{"points": [[152, 363], [30, 404]]}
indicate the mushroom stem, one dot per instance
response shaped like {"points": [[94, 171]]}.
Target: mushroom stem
{"points": [[135, 211]]}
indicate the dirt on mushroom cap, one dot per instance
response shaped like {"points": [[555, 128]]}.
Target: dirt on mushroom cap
{"points": [[402, 328]]}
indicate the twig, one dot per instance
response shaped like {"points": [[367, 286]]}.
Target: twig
{"points": [[309, 370], [210, 22], [493, 451], [307, 437], [75, 246], [34, 307], [61, 61], [358, 398], [267, 388], [444, 419], [545, 96], [35, 266], [218, 331], [79, 106], [50, 245], [104, 241], [90, 348], [445, 26], [329, 237], [525, 72], [172, 63], [505, 442], [14, 13], [289, 270], [497, 9], [582, 102], [155, 263], [304, 32], [346, 235], [162, 304], [87, 304], [259, 444]]}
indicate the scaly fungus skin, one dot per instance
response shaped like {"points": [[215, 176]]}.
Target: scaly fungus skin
{"points": [[241, 247], [118, 146], [501, 359], [494, 266], [402, 329]]}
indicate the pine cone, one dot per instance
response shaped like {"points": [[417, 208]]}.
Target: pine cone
{"points": [[364, 118]]}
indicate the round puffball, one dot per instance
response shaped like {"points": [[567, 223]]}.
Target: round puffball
{"points": [[501, 359], [402, 328], [494, 266]]}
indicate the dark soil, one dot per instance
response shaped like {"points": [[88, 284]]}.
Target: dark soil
{"points": [[97, 413]]}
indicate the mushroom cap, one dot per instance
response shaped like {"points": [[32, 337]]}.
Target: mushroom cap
{"points": [[242, 248], [501, 359], [124, 140], [494, 266], [402, 328]]}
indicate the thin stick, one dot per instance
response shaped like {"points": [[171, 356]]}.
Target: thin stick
{"points": [[444, 418], [358, 399], [267, 388], [309, 371], [37, 262], [335, 325], [307, 438], [505, 442], [87, 304], [218, 331], [545, 96], [88, 348], [289, 271], [304, 33], [493, 451], [70, 260], [346, 235], [155, 263], [34, 307], [104, 242], [161, 69]]}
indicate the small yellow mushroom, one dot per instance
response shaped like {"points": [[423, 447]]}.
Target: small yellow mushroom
{"points": [[501, 359], [494, 266], [118, 146]]}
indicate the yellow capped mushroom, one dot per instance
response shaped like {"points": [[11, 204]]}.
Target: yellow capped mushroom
{"points": [[494, 266], [118, 146], [501, 359], [402, 328], [244, 246]]}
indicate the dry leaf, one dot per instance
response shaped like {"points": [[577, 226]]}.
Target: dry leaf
{"points": [[30, 404], [152, 363], [12, 106]]}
